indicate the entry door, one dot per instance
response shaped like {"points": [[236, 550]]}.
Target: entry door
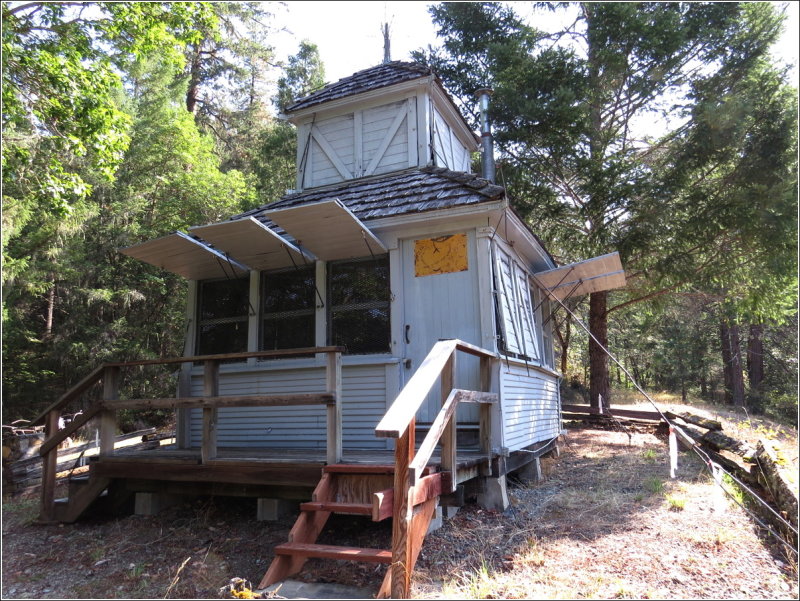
{"points": [[440, 300]]}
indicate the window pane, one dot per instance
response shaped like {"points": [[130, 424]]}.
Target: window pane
{"points": [[223, 316], [288, 303], [358, 297], [296, 331], [362, 331], [359, 281], [289, 290], [224, 298], [222, 338]]}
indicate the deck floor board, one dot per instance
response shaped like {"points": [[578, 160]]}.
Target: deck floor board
{"points": [[247, 466]]}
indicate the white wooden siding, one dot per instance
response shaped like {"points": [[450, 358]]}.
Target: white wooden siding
{"points": [[437, 307], [447, 148], [530, 406], [365, 142], [364, 389], [333, 150]]}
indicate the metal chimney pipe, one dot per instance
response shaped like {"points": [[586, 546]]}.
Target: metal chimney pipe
{"points": [[487, 143]]}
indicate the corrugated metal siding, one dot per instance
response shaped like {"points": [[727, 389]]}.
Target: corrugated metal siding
{"points": [[530, 406], [363, 405]]}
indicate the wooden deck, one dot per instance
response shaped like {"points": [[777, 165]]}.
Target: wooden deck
{"points": [[253, 466]]}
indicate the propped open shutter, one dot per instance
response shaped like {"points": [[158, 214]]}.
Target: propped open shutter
{"points": [[506, 303], [530, 346]]}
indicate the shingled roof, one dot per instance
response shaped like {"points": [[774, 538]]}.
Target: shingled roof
{"points": [[382, 75], [412, 191]]}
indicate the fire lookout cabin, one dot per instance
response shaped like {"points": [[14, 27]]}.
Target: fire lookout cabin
{"points": [[379, 336]]}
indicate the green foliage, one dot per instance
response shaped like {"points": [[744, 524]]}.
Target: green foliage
{"points": [[304, 74], [676, 502], [71, 300], [654, 485], [59, 114], [660, 130]]}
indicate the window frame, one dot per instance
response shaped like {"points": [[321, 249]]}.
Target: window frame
{"points": [[311, 311], [331, 309], [242, 318], [519, 333]]}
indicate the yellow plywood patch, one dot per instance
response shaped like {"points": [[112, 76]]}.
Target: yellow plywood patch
{"points": [[445, 254]]}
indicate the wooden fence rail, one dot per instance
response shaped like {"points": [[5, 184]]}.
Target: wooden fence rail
{"points": [[105, 410]]}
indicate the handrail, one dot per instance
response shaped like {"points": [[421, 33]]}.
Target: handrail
{"points": [[399, 422], [399, 415], [93, 378], [439, 424], [410, 399], [106, 408], [96, 375]]}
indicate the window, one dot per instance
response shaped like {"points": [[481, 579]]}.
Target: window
{"points": [[514, 309], [358, 305], [547, 334], [288, 303], [222, 316]]}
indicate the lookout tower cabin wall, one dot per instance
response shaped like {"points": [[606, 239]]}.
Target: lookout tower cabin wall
{"points": [[388, 245]]}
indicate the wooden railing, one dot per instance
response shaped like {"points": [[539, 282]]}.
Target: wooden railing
{"points": [[411, 487], [105, 410]]}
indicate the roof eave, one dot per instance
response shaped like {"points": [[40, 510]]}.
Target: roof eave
{"points": [[300, 115]]}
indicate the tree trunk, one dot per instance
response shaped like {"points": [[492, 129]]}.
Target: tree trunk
{"points": [[737, 368], [724, 337], [732, 363], [563, 341], [755, 357], [51, 303], [194, 79], [598, 360]]}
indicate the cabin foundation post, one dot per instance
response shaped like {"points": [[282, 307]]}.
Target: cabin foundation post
{"points": [[495, 494], [531, 472], [554, 452], [436, 520], [271, 510], [151, 503]]}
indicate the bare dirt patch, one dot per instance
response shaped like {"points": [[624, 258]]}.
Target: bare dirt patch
{"points": [[607, 522]]}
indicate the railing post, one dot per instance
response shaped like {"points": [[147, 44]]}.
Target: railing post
{"points": [[485, 427], [108, 417], [208, 449], [49, 467], [402, 513], [333, 381], [448, 461]]}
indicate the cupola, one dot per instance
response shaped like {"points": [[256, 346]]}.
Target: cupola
{"points": [[387, 118]]}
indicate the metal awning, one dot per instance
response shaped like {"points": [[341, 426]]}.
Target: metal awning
{"points": [[190, 258], [252, 243], [592, 275], [328, 229]]}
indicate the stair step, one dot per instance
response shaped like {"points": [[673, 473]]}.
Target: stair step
{"points": [[334, 552], [346, 508]]}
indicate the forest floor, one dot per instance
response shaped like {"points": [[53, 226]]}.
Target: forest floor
{"points": [[605, 522]]}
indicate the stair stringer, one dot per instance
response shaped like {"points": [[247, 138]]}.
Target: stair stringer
{"points": [[80, 499], [306, 529]]}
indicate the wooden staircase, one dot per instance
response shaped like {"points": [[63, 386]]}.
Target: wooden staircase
{"points": [[364, 490], [83, 492]]}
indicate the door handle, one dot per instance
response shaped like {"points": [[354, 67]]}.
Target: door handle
{"points": [[408, 338]]}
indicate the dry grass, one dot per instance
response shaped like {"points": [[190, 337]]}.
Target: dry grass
{"points": [[608, 523]]}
